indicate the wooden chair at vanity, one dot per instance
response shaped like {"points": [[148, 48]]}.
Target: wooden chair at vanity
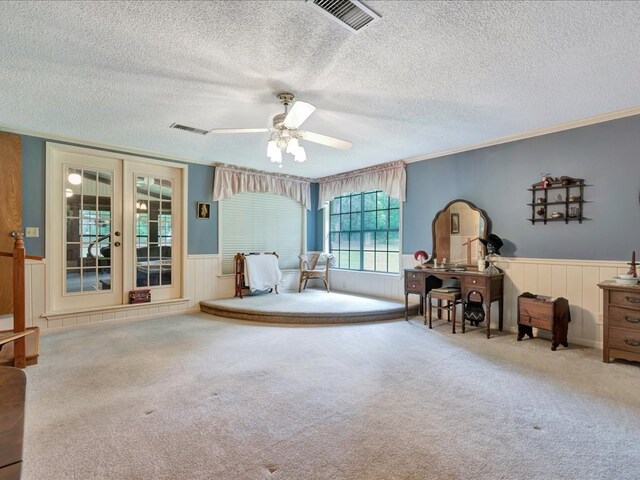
{"points": [[451, 298]]}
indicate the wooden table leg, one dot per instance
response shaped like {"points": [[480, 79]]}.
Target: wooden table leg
{"points": [[500, 312], [488, 318], [406, 307], [452, 305]]}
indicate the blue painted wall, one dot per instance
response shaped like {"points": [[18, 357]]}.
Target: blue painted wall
{"points": [[314, 221], [33, 191], [606, 155], [203, 234]]}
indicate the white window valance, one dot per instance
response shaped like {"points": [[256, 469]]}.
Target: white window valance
{"points": [[391, 178], [231, 180]]}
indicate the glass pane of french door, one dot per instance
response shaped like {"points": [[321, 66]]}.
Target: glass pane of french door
{"points": [[154, 231], [88, 212]]}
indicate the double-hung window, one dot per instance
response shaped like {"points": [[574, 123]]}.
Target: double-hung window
{"points": [[364, 231]]}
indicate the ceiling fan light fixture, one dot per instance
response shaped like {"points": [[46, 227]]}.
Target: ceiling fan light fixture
{"points": [[292, 145], [300, 155], [271, 148], [276, 156]]}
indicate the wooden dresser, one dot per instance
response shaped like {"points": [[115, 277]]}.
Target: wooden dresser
{"points": [[621, 329]]}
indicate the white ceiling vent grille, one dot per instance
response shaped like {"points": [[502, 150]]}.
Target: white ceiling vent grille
{"points": [[351, 14], [198, 131]]}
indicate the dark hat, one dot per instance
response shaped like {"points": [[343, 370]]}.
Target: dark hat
{"points": [[495, 242]]}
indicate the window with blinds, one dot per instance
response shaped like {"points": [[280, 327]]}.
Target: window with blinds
{"points": [[261, 222]]}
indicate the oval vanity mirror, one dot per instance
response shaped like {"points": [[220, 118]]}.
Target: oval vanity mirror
{"points": [[456, 229]]}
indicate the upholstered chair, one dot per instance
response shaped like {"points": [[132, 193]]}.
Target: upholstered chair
{"points": [[315, 265]]}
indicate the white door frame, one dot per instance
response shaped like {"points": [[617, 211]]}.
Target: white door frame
{"points": [[54, 232]]}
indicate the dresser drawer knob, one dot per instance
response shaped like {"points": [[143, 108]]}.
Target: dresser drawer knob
{"points": [[632, 299], [474, 281], [632, 342], [632, 319]]}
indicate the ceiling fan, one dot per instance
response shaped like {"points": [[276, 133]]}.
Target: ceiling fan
{"points": [[285, 134]]}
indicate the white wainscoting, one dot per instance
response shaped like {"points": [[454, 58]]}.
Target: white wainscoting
{"points": [[205, 282], [34, 275], [576, 280]]}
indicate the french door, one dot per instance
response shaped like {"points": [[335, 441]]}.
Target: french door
{"points": [[113, 225]]}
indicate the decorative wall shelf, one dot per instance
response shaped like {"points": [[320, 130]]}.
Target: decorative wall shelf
{"points": [[557, 201]]}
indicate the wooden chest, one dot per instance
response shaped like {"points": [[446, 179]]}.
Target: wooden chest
{"points": [[621, 327], [545, 313]]}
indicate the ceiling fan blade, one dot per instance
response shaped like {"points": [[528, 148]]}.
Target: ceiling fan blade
{"points": [[239, 130], [325, 140], [298, 114]]}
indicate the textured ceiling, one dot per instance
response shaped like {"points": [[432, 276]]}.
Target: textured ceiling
{"points": [[428, 77]]}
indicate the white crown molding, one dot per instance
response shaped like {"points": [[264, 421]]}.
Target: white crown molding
{"points": [[104, 146], [601, 118], [604, 117]]}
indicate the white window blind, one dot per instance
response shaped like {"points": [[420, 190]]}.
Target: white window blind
{"points": [[261, 222]]}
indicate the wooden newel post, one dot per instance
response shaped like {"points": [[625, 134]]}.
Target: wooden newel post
{"points": [[19, 326]]}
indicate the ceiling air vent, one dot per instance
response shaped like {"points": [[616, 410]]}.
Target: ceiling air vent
{"points": [[198, 131], [351, 14]]}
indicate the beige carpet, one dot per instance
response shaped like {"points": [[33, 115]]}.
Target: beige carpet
{"points": [[197, 397]]}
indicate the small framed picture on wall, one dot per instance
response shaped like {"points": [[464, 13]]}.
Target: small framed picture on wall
{"points": [[203, 210], [455, 223]]}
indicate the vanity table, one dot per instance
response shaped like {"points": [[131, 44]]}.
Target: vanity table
{"points": [[454, 229], [421, 281]]}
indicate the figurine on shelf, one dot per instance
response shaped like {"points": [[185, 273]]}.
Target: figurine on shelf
{"points": [[632, 268], [566, 181], [545, 182]]}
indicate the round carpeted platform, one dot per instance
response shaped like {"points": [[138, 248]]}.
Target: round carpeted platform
{"points": [[308, 307]]}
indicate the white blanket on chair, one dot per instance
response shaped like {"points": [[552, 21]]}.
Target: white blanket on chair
{"points": [[261, 272]]}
